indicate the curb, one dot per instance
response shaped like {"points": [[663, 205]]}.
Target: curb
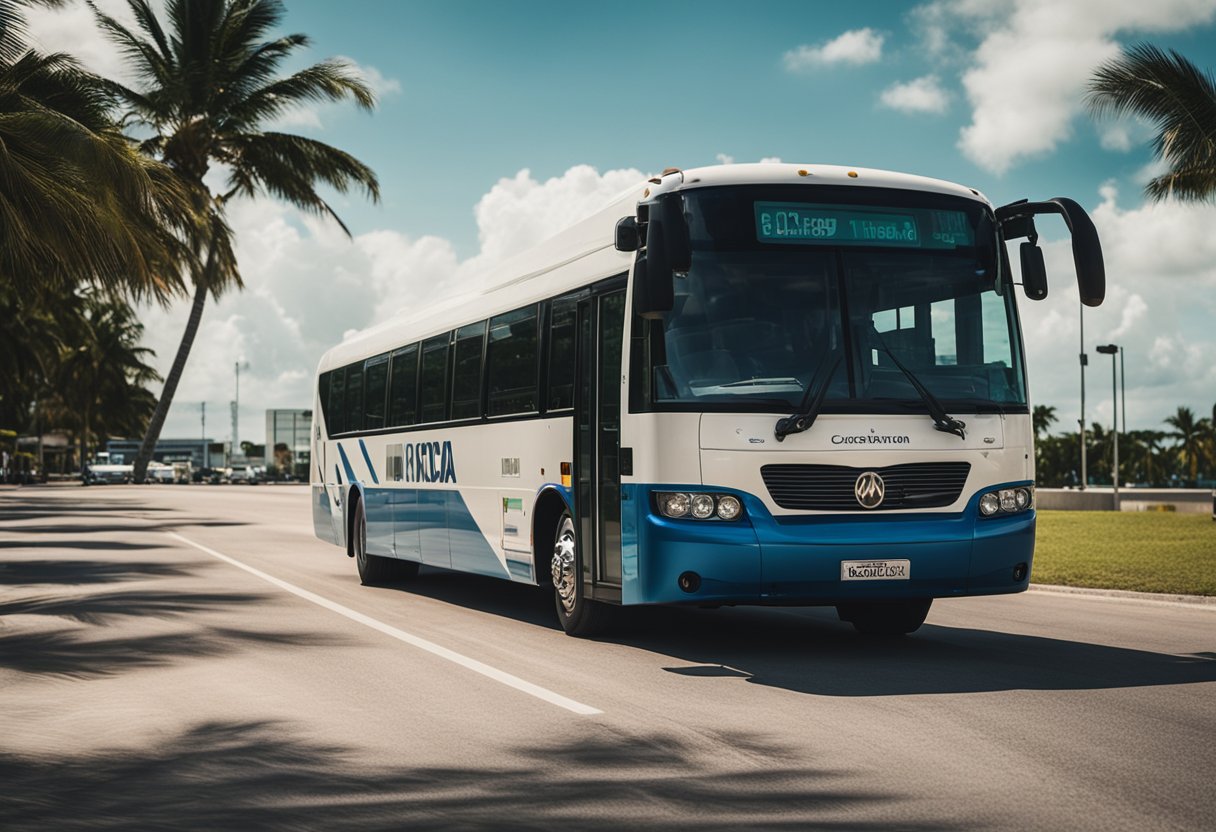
{"points": [[1128, 595]]}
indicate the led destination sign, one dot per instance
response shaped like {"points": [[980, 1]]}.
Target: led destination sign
{"points": [[806, 224]]}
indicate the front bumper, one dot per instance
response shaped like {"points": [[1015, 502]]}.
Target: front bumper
{"points": [[764, 559]]}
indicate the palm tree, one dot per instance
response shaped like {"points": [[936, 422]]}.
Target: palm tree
{"points": [[1044, 417], [207, 85], [1180, 101], [78, 202], [99, 376], [1189, 432]]}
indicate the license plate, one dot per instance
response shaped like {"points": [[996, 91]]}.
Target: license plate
{"points": [[875, 570]]}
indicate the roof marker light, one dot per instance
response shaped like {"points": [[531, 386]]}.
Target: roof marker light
{"points": [[852, 174], [804, 173]]}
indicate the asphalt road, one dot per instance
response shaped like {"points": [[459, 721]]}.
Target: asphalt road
{"points": [[191, 657]]}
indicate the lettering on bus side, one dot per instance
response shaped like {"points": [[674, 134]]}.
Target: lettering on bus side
{"points": [[430, 462]]}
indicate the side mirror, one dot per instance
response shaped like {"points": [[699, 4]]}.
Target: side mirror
{"points": [[627, 236], [1034, 273], [1086, 248], [668, 252]]}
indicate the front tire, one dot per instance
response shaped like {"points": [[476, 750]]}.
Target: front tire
{"points": [[579, 615], [373, 569], [885, 618]]}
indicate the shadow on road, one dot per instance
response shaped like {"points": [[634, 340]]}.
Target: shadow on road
{"points": [[808, 650], [262, 775], [68, 654], [81, 572], [98, 608]]}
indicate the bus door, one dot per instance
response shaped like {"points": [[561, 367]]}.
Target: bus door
{"points": [[601, 324]]}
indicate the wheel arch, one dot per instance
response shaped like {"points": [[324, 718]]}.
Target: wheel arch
{"points": [[551, 502], [352, 497]]}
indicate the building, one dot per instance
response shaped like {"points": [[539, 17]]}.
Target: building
{"points": [[288, 443], [200, 453]]}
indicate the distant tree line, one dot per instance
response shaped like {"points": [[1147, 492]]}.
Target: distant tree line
{"points": [[1181, 455]]}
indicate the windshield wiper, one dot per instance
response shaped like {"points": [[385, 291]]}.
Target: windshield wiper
{"points": [[942, 420], [808, 408]]}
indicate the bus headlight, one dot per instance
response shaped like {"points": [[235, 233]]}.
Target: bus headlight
{"points": [[729, 507], [674, 505], [698, 506], [1007, 501]]}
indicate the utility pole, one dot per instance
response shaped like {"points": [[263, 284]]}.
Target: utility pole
{"points": [[1123, 388], [1084, 474], [204, 436], [236, 406], [1111, 350]]}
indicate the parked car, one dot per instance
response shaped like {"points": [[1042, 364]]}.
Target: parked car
{"points": [[245, 474], [106, 473], [159, 472]]}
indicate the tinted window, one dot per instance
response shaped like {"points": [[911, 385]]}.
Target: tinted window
{"points": [[335, 418], [354, 397], [434, 378], [323, 394], [561, 356], [403, 390], [375, 381], [466, 375], [511, 363]]}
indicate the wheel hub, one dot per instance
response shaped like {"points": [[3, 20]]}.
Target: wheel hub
{"points": [[563, 568]]}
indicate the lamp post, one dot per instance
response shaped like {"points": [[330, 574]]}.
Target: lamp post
{"points": [[1113, 350], [236, 405], [1084, 361]]}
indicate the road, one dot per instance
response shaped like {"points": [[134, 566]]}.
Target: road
{"points": [[191, 657]]}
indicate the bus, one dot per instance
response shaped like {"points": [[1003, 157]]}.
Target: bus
{"points": [[764, 384]]}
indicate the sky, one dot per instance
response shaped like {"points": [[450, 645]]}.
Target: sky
{"points": [[500, 123]]}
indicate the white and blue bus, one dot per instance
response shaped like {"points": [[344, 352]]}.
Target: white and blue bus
{"points": [[748, 384]]}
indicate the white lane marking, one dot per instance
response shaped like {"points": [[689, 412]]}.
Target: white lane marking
{"points": [[401, 635]]}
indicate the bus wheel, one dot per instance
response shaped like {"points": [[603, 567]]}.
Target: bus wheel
{"points": [[374, 569], [885, 618], [578, 615]]}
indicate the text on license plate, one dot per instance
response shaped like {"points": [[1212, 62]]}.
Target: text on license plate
{"points": [[875, 570]]}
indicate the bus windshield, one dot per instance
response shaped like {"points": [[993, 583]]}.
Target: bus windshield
{"points": [[783, 284]]}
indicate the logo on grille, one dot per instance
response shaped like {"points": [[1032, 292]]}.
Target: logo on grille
{"points": [[869, 490]]}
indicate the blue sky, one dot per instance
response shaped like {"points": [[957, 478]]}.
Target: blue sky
{"points": [[499, 122]]}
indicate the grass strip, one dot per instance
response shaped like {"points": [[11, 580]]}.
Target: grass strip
{"points": [[1139, 551]]}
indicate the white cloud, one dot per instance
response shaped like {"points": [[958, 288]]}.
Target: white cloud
{"points": [[1027, 76], [771, 160], [725, 159], [859, 46], [1161, 300], [921, 95], [1115, 137], [72, 29], [307, 286]]}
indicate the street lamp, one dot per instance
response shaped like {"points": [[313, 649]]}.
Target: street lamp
{"points": [[1113, 350], [1081, 421], [242, 364]]}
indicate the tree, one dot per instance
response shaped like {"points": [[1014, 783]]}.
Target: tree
{"points": [[1189, 432], [99, 376], [1044, 417], [206, 88], [78, 202], [1179, 99]]}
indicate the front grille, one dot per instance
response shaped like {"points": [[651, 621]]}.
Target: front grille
{"points": [[830, 487]]}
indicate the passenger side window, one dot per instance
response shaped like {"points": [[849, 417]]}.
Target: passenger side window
{"points": [[561, 355], [511, 363], [336, 414], [403, 389], [466, 375], [354, 397], [434, 378], [375, 380]]}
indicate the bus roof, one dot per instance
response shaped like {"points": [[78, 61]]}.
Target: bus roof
{"points": [[584, 252]]}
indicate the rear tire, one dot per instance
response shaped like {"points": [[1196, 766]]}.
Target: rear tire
{"points": [[885, 618], [373, 569], [579, 615]]}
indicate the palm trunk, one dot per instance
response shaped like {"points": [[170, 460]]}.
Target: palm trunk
{"points": [[171, 380]]}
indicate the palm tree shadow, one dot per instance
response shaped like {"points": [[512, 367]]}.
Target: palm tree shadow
{"points": [[82, 572], [265, 775], [102, 607]]}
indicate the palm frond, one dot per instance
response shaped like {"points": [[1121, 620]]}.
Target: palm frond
{"points": [[1178, 99]]}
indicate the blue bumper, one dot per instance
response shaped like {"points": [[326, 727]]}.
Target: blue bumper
{"points": [[767, 559]]}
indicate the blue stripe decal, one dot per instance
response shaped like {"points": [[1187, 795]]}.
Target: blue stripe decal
{"points": [[519, 569], [338, 473], [368, 460], [350, 472]]}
